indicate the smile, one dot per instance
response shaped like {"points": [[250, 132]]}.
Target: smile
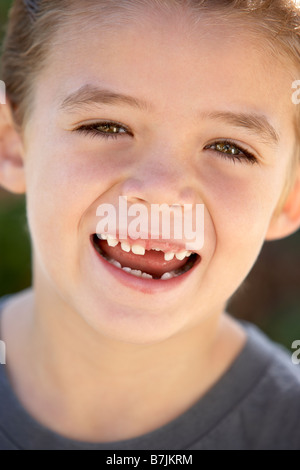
{"points": [[145, 259]]}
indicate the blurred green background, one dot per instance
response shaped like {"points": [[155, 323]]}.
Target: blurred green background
{"points": [[15, 258], [270, 297]]}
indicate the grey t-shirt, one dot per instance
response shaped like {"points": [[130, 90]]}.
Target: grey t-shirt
{"points": [[255, 405]]}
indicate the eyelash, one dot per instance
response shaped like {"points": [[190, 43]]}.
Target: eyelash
{"points": [[92, 130], [243, 157]]}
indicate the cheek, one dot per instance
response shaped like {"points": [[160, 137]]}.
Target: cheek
{"points": [[63, 193], [67, 181], [242, 196], [240, 201]]}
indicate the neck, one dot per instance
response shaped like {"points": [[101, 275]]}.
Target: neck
{"points": [[82, 375]]}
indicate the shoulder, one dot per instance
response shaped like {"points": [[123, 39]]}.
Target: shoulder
{"points": [[266, 412], [6, 438], [255, 404], [8, 403], [280, 369], [276, 396]]}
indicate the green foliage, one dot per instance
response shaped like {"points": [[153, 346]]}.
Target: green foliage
{"points": [[15, 260], [4, 7]]}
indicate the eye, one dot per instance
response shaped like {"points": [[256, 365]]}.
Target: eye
{"points": [[231, 151], [105, 129]]}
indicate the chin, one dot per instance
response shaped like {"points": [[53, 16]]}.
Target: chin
{"points": [[132, 324]]}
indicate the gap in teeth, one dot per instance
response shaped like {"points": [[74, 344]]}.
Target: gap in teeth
{"points": [[165, 276], [139, 273], [140, 250]]}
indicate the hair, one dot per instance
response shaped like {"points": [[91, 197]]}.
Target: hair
{"points": [[34, 24]]}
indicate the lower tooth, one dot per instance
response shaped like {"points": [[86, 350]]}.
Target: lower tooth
{"points": [[116, 263], [127, 270], [136, 273], [147, 276], [167, 276]]}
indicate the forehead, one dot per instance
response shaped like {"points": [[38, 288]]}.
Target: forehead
{"points": [[174, 63]]}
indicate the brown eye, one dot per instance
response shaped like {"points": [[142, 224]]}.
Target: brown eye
{"points": [[105, 130], [108, 128], [226, 148], [231, 151]]}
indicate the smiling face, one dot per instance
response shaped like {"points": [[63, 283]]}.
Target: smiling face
{"points": [[158, 112]]}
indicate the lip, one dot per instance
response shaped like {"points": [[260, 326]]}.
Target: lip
{"points": [[146, 286]]}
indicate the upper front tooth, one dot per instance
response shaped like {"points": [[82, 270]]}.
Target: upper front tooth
{"points": [[112, 241], [181, 255], [169, 256], [138, 250], [125, 247]]}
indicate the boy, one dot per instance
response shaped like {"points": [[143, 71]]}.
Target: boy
{"points": [[118, 345]]}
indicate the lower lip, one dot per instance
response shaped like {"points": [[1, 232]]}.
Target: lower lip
{"points": [[147, 286]]}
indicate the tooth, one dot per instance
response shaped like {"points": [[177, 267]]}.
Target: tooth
{"points": [[116, 263], [169, 256], [147, 276], [127, 270], [103, 236], [112, 242], [138, 250], [166, 276], [181, 255], [125, 247], [136, 273], [188, 253]]}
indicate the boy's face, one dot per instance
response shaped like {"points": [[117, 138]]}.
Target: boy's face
{"points": [[195, 88]]}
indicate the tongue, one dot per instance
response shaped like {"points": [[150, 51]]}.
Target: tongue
{"points": [[152, 262]]}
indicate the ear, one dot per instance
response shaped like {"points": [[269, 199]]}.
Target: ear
{"points": [[12, 175], [288, 220]]}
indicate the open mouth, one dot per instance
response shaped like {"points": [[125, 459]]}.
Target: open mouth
{"points": [[155, 262]]}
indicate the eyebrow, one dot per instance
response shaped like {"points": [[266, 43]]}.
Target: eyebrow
{"points": [[255, 123], [90, 95]]}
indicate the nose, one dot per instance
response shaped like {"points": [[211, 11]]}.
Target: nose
{"points": [[160, 181]]}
